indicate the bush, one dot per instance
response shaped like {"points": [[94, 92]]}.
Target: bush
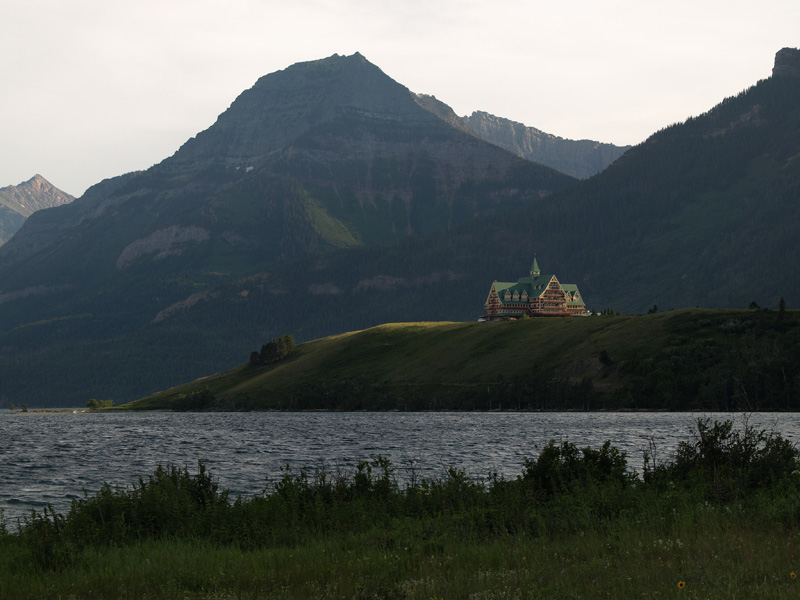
{"points": [[201, 400], [725, 463], [562, 468], [277, 349]]}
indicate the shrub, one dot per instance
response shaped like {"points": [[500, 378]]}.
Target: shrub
{"points": [[561, 468], [201, 400], [725, 463]]}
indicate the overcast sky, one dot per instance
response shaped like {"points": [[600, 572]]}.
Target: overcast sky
{"points": [[96, 88]]}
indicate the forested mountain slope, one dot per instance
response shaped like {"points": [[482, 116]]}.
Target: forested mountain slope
{"points": [[321, 156]]}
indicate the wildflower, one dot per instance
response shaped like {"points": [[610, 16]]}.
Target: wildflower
{"points": [[793, 575], [681, 584]]}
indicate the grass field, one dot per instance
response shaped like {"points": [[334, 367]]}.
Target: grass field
{"points": [[687, 359]]}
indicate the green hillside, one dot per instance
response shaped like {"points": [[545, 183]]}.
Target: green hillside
{"points": [[679, 360], [319, 158]]}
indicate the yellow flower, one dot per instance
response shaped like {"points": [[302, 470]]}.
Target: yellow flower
{"points": [[793, 575], [681, 584]]}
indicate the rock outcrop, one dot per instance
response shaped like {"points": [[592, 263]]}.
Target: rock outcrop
{"points": [[18, 202], [578, 158], [787, 63]]}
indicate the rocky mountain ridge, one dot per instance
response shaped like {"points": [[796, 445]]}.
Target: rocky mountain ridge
{"points": [[332, 151], [18, 202], [579, 158]]}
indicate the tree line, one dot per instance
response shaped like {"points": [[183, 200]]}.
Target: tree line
{"points": [[276, 349]]}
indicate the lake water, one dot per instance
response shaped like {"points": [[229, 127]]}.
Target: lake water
{"points": [[53, 457]]}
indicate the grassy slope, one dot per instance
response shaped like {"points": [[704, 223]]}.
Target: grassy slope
{"points": [[500, 365]]}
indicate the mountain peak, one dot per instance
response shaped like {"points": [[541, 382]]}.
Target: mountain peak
{"points": [[787, 63], [32, 195], [18, 202], [282, 106]]}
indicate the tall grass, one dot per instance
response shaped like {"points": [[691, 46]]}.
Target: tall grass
{"points": [[720, 519]]}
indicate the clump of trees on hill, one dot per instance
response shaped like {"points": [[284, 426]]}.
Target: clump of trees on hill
{"points": [[94, 404], [273, 351]]}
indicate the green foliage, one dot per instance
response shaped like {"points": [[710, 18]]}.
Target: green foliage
{"points": [[196, 401], [277, 349], [94, 404], [724, 463], [563, 468], [170, 503]]}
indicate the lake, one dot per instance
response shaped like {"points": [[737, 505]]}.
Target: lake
{"points": [[53, 457]]}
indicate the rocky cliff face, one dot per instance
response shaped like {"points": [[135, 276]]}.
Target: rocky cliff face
{"points": [[787, 63], [581, 158], [18, 202]]}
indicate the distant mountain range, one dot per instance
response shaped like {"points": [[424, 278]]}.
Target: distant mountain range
{"points": [[326, 199], [579, 158], [18, 202]]}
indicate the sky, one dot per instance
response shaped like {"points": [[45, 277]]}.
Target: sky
{"points": [[92, 89]]}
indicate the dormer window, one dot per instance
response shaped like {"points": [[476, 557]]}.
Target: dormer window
{"points": [[525, 295], [516, 296], [507, 295]]}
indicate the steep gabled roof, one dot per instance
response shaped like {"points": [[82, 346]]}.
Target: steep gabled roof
{"points": [[535, 286], [572, 288]]}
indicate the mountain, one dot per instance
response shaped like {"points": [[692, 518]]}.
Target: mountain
{"points": [[703, 213], [160, 277], [18, 202], [322, 156], [579, 158]]}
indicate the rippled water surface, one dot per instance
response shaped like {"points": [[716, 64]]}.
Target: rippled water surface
{"points": [[53, 457]]}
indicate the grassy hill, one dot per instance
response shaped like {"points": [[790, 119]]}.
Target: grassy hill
{"points": [[677, 360]]}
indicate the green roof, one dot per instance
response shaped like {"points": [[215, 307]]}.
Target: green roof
{"points": [[534, 286], [572, 288]]}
